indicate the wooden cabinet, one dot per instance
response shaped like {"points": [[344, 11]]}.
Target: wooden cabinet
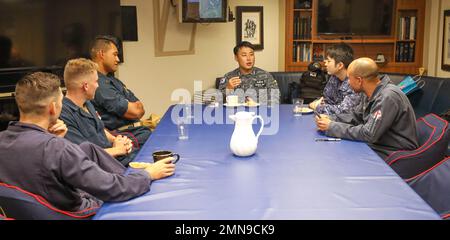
{"points": [[402, 49]]}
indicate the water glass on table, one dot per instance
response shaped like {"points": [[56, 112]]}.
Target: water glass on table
{"points": [[297, 105], [183, 128]]}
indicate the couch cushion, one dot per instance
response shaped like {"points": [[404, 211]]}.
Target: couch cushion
{"points": [[283, 80], [442, 101], [395, 77], [434, 97], [423, 99]]}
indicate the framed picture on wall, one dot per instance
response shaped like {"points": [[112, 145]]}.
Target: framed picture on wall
{"points": [[446, 42], [250, 26]]}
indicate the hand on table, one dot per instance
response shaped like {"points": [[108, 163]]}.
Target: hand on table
{"points": [[161, 169], [323, 123], [123, 145], [316, 103]]}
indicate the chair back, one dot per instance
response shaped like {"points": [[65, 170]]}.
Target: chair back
{"points": [[433, 135], [433, 186], [22, 205]]}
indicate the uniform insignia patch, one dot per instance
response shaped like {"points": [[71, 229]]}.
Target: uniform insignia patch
{"points": [[377, 115]]}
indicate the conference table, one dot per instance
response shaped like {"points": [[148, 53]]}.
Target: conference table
{"points": [[291, 176]]}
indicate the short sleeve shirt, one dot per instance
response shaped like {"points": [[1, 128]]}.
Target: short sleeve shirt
{"points": [[83, 126], [111, 101]]}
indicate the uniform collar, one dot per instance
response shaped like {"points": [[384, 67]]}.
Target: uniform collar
{"points": [[20, 126], [111, 79], [67, 102], [385, 80], [341, 84], [238, 71], [108, 77]]}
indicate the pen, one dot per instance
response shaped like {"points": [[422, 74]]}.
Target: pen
{"points": [[317, 114], [328, 139]]}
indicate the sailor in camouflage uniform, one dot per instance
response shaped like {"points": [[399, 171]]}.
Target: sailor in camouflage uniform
{"points": [[338, 96], [248, 80]]}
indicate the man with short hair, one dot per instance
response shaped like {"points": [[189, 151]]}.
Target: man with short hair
{"points": [[254, 82], [35, 157], [384, 119], [338, 96], [119, 108], [83, 122]]}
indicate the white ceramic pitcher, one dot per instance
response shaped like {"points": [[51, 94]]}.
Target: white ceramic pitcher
{"points": [[244, 142]]}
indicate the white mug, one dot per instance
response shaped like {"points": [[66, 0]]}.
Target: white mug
{"points": [[232, 100]]}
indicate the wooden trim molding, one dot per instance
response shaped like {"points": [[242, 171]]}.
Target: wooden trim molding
{"points": [[160, 21]]}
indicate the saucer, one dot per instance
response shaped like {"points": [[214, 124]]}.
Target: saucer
{"points": [[139, 165], [234, 105], [252, 105], [305, 110]]}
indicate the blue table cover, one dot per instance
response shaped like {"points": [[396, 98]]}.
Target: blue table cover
{"points": [[291, 176]]}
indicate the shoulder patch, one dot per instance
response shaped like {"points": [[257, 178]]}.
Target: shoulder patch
{"points": [[98, 115], [377, 115]]}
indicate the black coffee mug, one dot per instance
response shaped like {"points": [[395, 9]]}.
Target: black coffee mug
{"points": [[159, 155]]}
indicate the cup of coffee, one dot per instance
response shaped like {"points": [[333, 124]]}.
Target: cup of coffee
{"points": [[160, 155], [232, 100]]}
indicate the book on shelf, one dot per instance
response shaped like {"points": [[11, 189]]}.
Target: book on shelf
{"points": [[302, 27], [411, 52], [302, 52], [407, 28], [405, 52], [295, 28], [294, 53], [412, 33], [318, 53], [397, 53]]}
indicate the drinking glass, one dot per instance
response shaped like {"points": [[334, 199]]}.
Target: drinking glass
{"points": [[183, 129], [297, 105]]}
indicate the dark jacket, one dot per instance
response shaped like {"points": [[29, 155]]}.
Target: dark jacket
{"points": [[386, 121], [56, 169]]}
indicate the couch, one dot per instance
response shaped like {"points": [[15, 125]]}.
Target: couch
{"points": [[434, 97]]}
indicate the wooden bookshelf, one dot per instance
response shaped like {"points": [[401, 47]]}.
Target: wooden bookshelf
{"points": [[403, 48]]}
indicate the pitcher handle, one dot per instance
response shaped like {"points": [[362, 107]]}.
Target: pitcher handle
{"points": [[262, 126]]}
